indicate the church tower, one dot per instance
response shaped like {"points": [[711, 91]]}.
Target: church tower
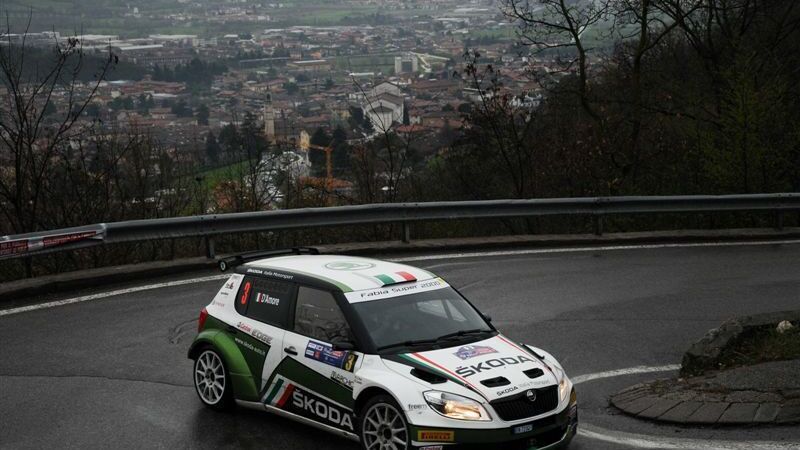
{"points": [[269, 120]]}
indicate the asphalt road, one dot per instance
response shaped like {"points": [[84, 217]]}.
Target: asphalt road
{"points": [[113, 372]]}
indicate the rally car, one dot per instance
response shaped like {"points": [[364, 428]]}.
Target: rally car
{"points": [[385, 354]]}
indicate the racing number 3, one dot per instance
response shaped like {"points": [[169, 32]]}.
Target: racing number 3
{"points": [[246, 293]]}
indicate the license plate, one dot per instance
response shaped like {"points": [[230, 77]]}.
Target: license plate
{"points": [[523, 429]]}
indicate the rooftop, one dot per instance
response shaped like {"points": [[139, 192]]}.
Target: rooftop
{"points": [[349, 273]]}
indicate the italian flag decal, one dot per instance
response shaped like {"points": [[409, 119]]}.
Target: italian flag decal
{"points": [[394, 278], [279, 392]]}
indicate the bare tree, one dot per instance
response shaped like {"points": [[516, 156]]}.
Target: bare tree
{"points": [[30, 137], [561, 24]]}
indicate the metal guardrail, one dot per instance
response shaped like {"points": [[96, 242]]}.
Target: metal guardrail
{"points": [[208, 226]]}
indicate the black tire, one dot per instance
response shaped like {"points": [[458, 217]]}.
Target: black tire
{"points": [[211, 380], [394, 431]]}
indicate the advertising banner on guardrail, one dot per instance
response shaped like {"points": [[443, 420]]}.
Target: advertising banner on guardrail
{"points": [[20, 247]]}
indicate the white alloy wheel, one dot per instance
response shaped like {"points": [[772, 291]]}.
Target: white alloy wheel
{"points": [[209, 378], [383, 427]]}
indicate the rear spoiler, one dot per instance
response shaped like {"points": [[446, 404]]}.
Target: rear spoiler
{"points": [[237, 260]]}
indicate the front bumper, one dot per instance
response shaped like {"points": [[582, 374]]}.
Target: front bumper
{"points": [[549, 433]]}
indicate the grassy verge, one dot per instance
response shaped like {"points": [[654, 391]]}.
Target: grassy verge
{"points": [[762, 346]]}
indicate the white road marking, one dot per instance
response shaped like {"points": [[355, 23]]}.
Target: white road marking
{"points": [[606, 248], [86, 298], [642, 441], [648, 441], [621, 372]]}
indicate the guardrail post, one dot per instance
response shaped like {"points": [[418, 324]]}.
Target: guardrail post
{"points": [[598, 224], [210, 253], [406, 232]]}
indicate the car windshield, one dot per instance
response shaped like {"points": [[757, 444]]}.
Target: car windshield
{"points": [[433, 319]]}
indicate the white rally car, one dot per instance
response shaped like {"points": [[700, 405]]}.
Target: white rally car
{"points": [[385, 354]]}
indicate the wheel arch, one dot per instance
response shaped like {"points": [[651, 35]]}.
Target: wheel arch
{"points": [[204, 339], [244, 387], [368, 393]]}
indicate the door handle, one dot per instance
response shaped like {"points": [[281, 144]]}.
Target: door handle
{"points": [[290, 350]]}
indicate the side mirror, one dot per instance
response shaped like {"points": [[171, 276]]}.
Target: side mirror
{"points": [[343, 345], [487, 318]]}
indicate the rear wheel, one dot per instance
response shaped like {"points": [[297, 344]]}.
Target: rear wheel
{"points": [[383, 425], [211, 380]]}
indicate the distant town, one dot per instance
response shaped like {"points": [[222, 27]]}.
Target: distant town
{"points": [[361, 80]]}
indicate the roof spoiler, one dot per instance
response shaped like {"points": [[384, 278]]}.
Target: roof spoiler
{"points": [[236, 260]]}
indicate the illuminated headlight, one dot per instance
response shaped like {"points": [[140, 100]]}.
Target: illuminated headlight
{"points": [[456, 406], [563, 389], [564, 385]]}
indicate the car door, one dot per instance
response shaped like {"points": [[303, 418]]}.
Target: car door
{"points": [[264, 306], [319, 379]]}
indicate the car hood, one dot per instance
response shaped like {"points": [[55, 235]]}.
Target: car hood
{"points": [[494, 368]]}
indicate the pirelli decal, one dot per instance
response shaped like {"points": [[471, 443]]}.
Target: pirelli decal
{"points": [[435, 436]]}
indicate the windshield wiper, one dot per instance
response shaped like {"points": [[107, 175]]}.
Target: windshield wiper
{"points": [[408, 344], [462, 333], [446, 337]]}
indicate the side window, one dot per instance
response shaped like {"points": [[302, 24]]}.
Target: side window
{"points": [[318, 316], [267, 301]]}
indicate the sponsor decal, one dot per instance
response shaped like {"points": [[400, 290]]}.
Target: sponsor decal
{"points": [[263, 337], [230, 284], [393, 291], [417, 407], [325, 354], [216, 302], [507, 391], [358, 380], [485, 366], [349, 265], [13, 247], [31, 245], [470, 351], [319, 409], [540, 382], [244, 327], [303, 402], [250, 346], [523, 429], [270, 273], [67, 238], [435, 436], [342, 380], [432, 447], [266, 298]]}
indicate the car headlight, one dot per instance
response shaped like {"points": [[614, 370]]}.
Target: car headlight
{"points": [[563, 389], [456, 406], [564, 385]]}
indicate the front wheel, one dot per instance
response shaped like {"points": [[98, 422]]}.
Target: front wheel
{"points": [[211, 380], [383, 425]]}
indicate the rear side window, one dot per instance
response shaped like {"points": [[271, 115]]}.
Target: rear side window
{"points": [[318, 316], [266, 301]]}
